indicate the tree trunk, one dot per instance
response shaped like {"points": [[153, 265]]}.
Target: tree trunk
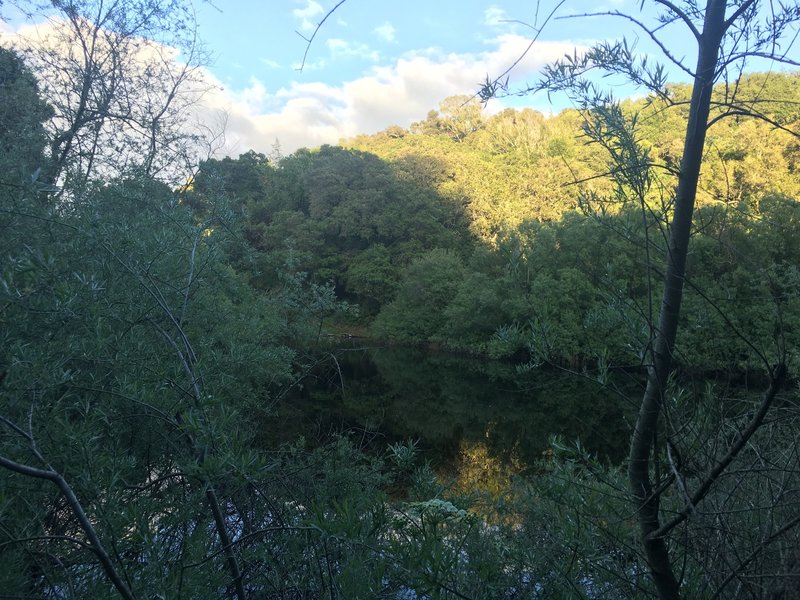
{"points": [[642, 443]]}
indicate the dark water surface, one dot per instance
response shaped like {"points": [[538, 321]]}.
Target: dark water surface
{"points": [[459, 409]]}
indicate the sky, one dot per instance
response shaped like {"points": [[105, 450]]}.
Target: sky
{"points": [[377, 63], [374, 63]]}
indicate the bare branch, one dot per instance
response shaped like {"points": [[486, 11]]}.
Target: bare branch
{"points": [[189, 281], [681, 15], [650, 32], [225, 540], [765, 55], [735, 572], [494, 83], [26, 470], [743, 112], [48, 538], [778, 377], [77, 510], [729, 323], [310, 40], [737, 13]]}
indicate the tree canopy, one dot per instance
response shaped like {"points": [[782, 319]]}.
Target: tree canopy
{"points": [[150, 324]]}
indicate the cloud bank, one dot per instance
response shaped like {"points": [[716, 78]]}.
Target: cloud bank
{"points": [[398, 91], [308, 113]]}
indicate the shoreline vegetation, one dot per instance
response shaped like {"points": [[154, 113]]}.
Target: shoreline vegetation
{"points": [[337, 337]]}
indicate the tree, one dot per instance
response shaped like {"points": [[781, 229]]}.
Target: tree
{"points": [[727, 36], [457, 118], [22, 117], [112, 373], [520, 134], [76, 279], [460, 116], [122, 99], [417, 312]]}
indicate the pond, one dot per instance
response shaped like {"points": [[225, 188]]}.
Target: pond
{"points": [[462, 411]]}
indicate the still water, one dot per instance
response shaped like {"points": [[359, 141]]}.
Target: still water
{"points": [[458, 409]]}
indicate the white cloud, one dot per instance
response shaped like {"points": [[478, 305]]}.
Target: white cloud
{"points": [[308, 12], [386, 32], [253, 98], [343, 48], [269, 63], [313, 113], [493, 16]]}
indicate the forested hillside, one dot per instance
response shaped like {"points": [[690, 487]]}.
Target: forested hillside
{"points": [[500, 234], [157, 311]]}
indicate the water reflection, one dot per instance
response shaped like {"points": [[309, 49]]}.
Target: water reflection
{"points": [[465, 412]]}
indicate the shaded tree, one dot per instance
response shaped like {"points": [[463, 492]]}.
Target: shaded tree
{"points": [[416, 313], [23, 114], [727, 36]]}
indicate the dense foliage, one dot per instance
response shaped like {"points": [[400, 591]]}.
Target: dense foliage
{"points": [[471, 231], [146, 331]]}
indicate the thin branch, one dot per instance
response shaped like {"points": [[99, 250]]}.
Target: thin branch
{"points": [[761, 547], [679, 479], [777, 378], [493, 84], [91, 533], [227, 546], [190, 375], [310, 40], [737, 13], [247, 537], [48, 538], [77, 510], [189, 277], [765, 55], [27, 470], [728, 322], [744, 112], [650, 32], [17, 429], [682, 16]]}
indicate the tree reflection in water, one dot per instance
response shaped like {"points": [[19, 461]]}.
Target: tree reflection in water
{"points": [[477, 421]]}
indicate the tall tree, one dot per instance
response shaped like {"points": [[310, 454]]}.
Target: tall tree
{"points": [[728, 35]]}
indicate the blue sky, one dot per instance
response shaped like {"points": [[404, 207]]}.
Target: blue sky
{"points": [[377, 63]]}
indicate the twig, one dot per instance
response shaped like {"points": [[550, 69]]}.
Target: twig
{"points": [[496, 81], [310, 40], [778, 376], [738, 570]]}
